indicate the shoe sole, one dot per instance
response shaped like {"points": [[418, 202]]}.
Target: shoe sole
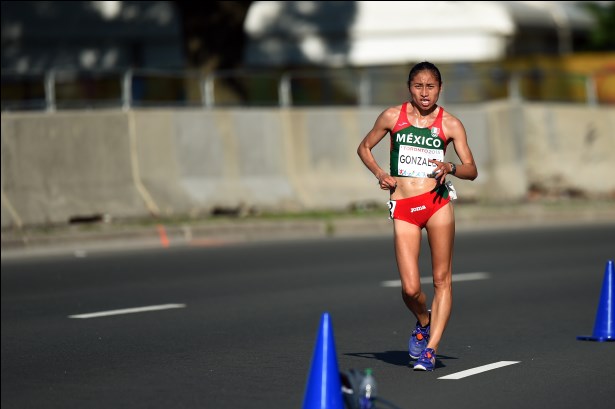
{"points": [[420, 367], [414, 357]]}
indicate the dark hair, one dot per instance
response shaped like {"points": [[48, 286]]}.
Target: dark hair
{"points": [[422, 66]]}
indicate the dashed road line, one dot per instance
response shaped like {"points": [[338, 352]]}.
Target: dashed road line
{"points": [[456, 278], [479, 369], [128, 311]]}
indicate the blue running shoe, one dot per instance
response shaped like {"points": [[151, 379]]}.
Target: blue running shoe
{"points": [[418, 341], [427, 360]]}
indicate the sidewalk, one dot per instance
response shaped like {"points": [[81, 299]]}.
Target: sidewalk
{"points": [[116, 235]]}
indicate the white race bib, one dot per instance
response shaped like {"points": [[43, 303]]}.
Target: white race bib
{"points": [[414, 161]]}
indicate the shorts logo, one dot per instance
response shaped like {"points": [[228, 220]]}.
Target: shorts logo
{"points": [[417, 209]]}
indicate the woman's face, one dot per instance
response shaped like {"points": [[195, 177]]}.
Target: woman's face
{"points": [[424, 89]]}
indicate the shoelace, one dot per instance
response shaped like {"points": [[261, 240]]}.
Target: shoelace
{"points": [[418, 330]]}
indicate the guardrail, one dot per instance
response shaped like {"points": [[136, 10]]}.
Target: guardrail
{"points": [[69, 89]]}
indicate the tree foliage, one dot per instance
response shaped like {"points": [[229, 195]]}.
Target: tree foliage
{"points": [[603, 36]]}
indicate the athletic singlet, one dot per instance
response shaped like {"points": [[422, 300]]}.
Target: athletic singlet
{"points": [[412, 147]]}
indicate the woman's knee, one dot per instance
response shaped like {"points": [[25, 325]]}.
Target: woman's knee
{"points": [[442, 281], [412, 292]]}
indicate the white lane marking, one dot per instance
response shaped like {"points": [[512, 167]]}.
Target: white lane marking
{"points": [[479, 369], [456, 278], [128, 311]]}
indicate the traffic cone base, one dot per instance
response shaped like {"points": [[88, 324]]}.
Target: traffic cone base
{"points": [[592, 338], [604, 326]]}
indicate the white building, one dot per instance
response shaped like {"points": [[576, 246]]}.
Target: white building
{"points": [[368, 33]]}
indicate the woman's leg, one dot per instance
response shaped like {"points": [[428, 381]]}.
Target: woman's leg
{"points": [[441, 235], [407, 247]]}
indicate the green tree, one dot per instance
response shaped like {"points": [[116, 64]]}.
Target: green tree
{"points": [[603, 36]]}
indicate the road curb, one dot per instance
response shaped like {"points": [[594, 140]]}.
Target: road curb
{"points": [[219, 232]]}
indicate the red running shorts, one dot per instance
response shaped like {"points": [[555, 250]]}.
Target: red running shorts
{"points": [[419, 209]]}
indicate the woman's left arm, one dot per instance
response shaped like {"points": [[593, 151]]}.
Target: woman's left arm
{"points": [[455, 131]]}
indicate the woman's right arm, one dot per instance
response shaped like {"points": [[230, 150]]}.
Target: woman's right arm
{"points": [[384, 123]]}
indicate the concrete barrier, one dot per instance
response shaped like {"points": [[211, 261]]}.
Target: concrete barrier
{"points": [[196, 162], [570, 149], [60, 166], [67, 165]]}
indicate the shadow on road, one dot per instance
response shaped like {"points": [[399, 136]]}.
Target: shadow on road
{"points": [[399, 358]]}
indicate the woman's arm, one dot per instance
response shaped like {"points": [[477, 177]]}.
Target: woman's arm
{"points": [[455, 130], [383, 125]]}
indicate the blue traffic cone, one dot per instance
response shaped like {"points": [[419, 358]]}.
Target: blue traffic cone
{"points": [[324, 387], [604, 327]]}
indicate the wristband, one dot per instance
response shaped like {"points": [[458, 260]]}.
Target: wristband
{"points": [[453, 168]]}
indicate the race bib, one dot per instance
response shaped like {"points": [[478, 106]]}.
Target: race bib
{"points": [[414, 161]]}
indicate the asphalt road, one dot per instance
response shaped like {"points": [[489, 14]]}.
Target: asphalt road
{"points": [[235, 326]]}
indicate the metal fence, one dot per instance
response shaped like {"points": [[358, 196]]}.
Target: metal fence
{"points": [[380, 86]]}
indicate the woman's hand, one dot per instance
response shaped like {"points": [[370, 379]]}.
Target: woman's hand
{"points": [[386, 181], [442, 169]]}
